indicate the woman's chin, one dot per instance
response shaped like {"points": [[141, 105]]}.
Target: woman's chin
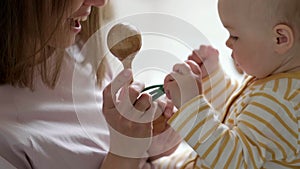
{"points": [[67, 42]]}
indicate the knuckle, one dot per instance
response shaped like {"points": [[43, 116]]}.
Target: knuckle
{"points": [[145, 99], [133, 91], [107, 91]]}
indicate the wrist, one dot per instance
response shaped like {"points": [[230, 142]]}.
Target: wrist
{"points": [[115, 161], [129, 147], [212, 73]]}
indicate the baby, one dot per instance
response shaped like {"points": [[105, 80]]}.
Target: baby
{"points": [[255, 125]]}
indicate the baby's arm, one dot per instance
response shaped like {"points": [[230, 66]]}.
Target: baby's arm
{"points": [[217, 86], [255, 137]]}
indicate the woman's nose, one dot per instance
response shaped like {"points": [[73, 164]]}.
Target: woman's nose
{"points": [[97, 3]]}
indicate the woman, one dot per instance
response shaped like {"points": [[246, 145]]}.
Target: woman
{"points": [[47, 116]]}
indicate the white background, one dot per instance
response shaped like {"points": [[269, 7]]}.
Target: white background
{"points": [[202, 14]]}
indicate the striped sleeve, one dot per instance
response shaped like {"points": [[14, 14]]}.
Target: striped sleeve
{"points": [[217, 88], [265, 130]]}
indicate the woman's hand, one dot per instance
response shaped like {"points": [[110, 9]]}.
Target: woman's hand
{"points": [[207, 59], [184, 83], [164, 144], [163, 113], [129, 115], [165, 140]]}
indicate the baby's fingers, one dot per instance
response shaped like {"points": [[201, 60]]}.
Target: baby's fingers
{"points": [[194, 67], [182, 68], [196, 57]]}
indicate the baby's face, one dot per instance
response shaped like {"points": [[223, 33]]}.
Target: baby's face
{"points": [[250, 37]]}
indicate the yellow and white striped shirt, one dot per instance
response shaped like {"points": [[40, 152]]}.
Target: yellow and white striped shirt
{"points": [[256, 127]]}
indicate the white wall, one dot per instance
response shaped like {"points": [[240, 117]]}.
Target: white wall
{"points": [[202, 14]]}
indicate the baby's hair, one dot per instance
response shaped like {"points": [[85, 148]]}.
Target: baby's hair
{"points": [[284, 12]]}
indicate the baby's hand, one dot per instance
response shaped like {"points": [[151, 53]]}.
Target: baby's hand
{"points": [[184, 83], [207, 58]]}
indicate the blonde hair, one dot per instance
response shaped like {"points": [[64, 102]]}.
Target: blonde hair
{"points": [[89, 28], [24, 40], [284, 12], [23, 37]]}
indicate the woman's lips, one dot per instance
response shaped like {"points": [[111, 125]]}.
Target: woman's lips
{"points": [[75, 25], [75, 21]]}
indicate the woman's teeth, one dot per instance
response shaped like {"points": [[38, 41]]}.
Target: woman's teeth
{"points": [[75, 22]]}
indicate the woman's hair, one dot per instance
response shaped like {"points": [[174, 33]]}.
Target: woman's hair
{"points": [[24, 40], [89, 27]]}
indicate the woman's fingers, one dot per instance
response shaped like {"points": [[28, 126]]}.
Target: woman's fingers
{"points": [[129, 115], [110, 92], [142, 111], [163, 112], [131, 92], [128, 96], [143, 103]]}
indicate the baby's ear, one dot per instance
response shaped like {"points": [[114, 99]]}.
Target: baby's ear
{"points": [[283, 38]]}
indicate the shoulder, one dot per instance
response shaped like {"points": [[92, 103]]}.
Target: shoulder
{"points": [[278, 93], [284, 85]]}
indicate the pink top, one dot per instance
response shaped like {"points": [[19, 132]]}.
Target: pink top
{"points": [[54, 129]]}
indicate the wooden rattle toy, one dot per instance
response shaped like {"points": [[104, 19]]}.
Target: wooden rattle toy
{"points": [[124, 41]]}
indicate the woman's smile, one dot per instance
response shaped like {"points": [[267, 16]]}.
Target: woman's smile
{"points": [[74, 22]]}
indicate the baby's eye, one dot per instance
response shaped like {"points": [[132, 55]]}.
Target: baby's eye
{"points": [[234, 37]]}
